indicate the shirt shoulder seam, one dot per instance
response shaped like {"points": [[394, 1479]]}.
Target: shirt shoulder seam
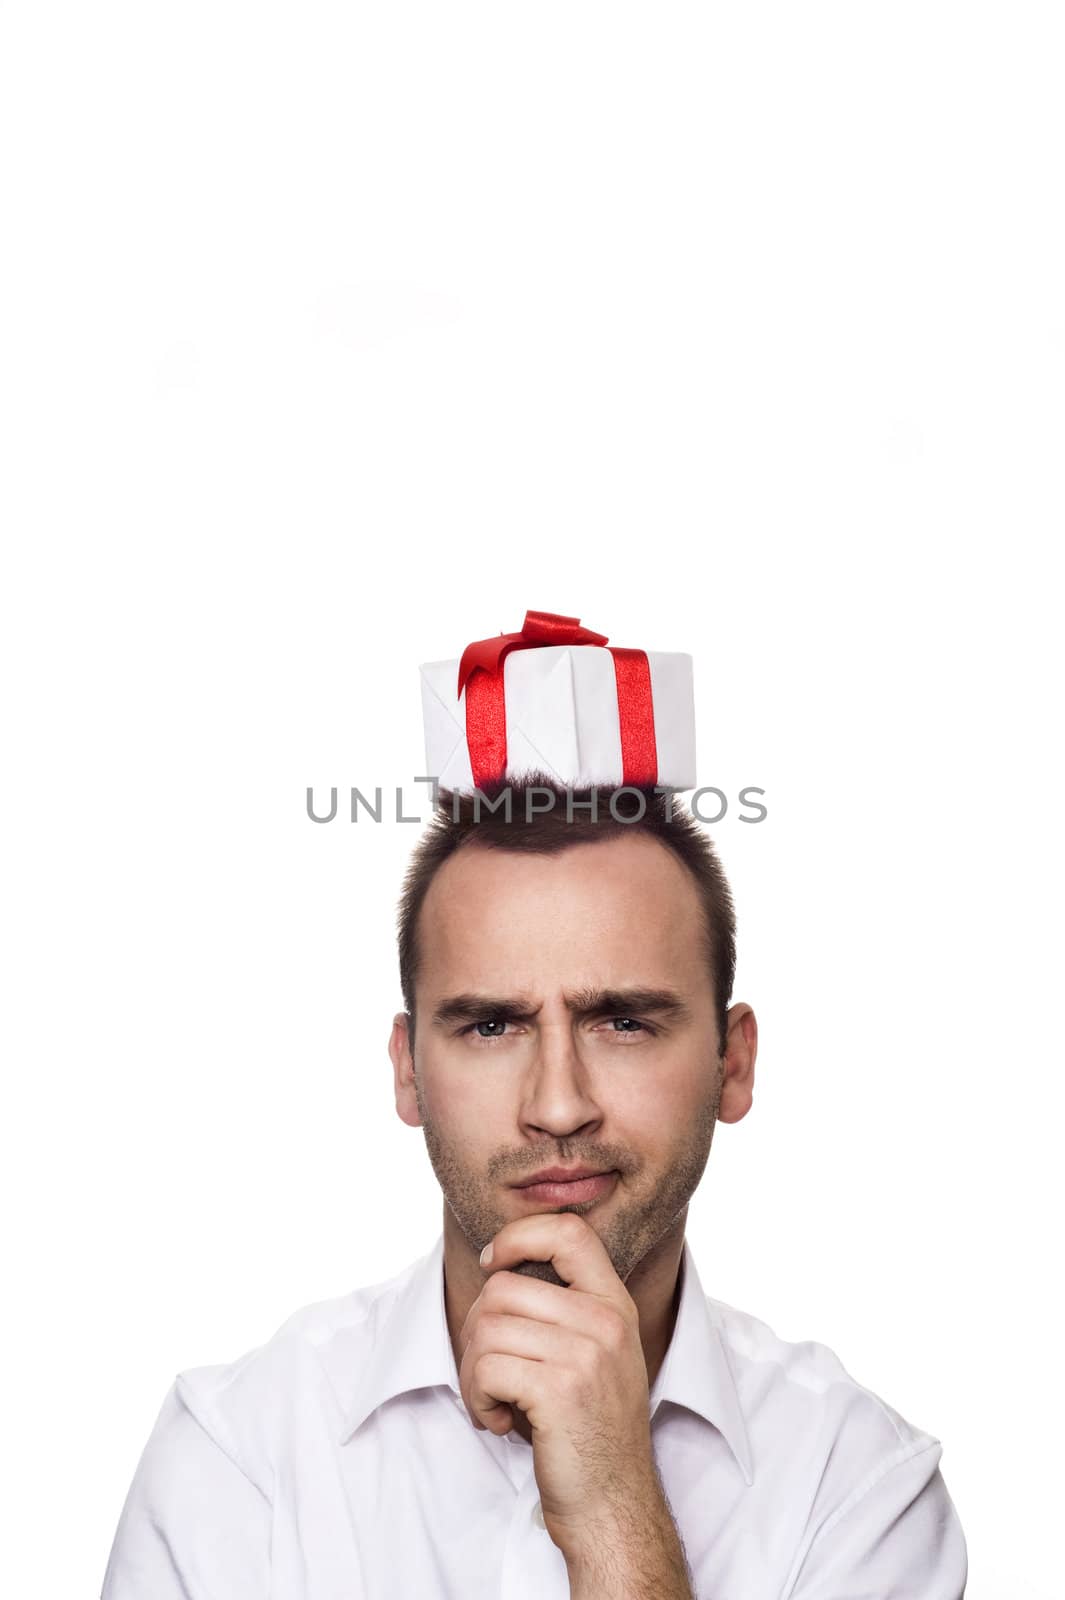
{"points": [[901, 1459], [916, 1438], [184, 1395]]}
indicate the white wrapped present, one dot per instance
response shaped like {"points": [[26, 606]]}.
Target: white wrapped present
{"points": [[555, 698]]}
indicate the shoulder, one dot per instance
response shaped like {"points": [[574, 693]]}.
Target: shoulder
{"points": [[206, 1487], [800, 1391], [868, 1511], [292, 1383]]}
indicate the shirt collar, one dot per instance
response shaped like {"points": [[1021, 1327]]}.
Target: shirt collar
{"points": [[410, 1348]]}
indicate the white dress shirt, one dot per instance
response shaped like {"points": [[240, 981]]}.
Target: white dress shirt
{"points": [[337, 1461]]}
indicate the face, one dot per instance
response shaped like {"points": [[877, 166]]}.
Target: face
{"points": [[565, 1016]]}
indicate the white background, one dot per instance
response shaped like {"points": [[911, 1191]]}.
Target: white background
{"points": [[335, 336]]}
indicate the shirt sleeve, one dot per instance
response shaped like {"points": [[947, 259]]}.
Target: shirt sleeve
{"points": [[896, 1537], [194, 1526]]}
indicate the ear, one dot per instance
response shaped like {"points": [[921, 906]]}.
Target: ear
{"points": [[403, 1070], [741, 1048]]}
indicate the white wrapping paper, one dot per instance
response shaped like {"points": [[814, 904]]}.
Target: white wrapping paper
{"points": [[562, 718]]}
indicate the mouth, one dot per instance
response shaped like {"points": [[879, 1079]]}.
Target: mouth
{"points": [[567, 1191]]}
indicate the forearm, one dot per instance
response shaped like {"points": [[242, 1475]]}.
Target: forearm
{"points": [[639, 1557]]}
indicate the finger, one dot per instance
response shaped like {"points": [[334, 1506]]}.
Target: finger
{"points": [[498, 1383], [565, 1239], [510, 1334], [525, 1297], [568, 1309], [497, 1334]]}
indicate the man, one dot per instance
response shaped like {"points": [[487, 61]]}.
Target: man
{"points": [[571, 1414]]}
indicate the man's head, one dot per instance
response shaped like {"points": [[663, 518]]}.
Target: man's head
{"points": [[566, 981]]}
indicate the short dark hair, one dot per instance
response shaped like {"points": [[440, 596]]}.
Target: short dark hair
{"points": [[460, 819]]}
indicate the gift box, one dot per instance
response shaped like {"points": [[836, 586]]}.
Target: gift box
{"points": [[557, 698]]}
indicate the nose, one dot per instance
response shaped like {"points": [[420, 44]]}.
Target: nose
{"points": [[558, 1089]]}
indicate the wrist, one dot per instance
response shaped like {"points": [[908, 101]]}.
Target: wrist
{"points": [[652, 1568], [629, 1552]]}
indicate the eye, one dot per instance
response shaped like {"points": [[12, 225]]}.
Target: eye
{"points": [[492, 1027], [630, 1025]]}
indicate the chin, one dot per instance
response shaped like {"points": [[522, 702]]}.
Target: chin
{"points": [[544, 1270]]}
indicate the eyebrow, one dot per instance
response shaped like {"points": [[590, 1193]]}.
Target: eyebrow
{"points": [[583, 1003]]}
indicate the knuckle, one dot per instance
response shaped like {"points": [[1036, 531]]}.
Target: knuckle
{"points": [[493, 1289], [586, 1358], [573, 1380], [485, 1370], [616, 1330]]}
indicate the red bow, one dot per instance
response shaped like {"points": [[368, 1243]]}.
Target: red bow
{"points": [[539, 628], [481, 674]]}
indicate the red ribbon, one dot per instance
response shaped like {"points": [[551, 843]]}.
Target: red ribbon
{"points": [[481, 674]]}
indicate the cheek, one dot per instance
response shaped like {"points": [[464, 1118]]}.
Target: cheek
{"points": [[465, 1104], [652, 1110]]}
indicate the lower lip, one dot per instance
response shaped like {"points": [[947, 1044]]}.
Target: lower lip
{"points": [[560, 1194]]}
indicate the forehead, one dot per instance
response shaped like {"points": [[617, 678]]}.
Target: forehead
{"points": [[620, 911]]}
